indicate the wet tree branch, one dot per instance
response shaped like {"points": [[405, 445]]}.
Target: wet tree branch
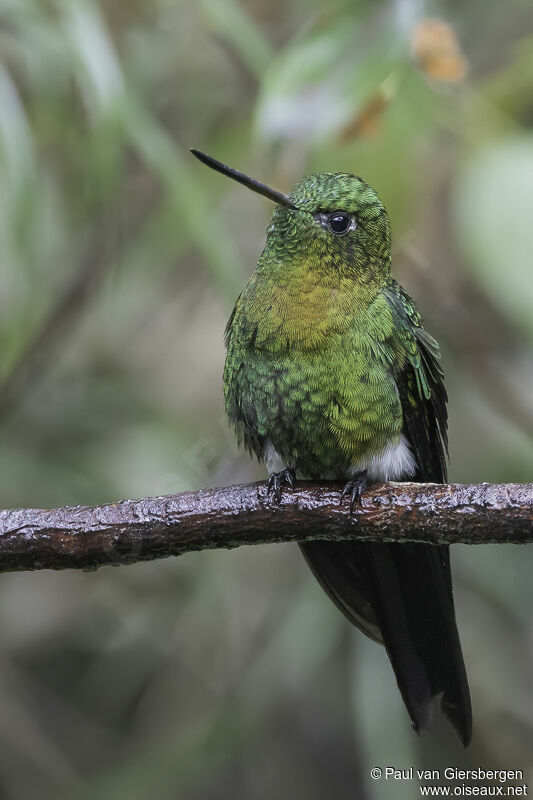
{"points": [[83, 537]]}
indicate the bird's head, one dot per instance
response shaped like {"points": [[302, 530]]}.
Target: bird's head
{"points": [[332, 222]]}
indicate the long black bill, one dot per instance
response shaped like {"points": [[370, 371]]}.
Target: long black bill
{"points": [[240, 177]]}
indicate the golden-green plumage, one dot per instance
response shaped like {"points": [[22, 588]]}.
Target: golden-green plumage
{"points": [[315, 342], [324, 393], [330, 373]]}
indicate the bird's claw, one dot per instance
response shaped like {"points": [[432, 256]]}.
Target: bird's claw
{"points": [[355, 488], [278, 480]]}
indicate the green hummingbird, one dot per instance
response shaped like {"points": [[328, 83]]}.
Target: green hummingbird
{"points": [[329, 374]]}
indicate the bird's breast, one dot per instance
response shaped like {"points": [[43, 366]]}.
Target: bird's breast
{"points": [[297, 311]]}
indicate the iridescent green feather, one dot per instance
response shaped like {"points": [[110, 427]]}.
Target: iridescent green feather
{"points": [[328, 361], [320, 334]]}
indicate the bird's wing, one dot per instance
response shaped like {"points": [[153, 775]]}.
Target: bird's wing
{"points": [[422, 393], [423, 570], [239, 338]]}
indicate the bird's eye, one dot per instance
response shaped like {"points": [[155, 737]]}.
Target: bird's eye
{"points": [[339, 222]]}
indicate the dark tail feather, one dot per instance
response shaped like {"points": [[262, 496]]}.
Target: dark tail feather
{"points": [[401, 595]]}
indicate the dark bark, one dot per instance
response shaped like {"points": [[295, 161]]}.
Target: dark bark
{"points": [[83, 537]]}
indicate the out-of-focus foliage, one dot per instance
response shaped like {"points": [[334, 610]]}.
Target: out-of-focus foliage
{"points": [[230, 675]]}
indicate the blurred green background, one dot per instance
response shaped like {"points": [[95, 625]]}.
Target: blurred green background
{"points": [[230, 675]]}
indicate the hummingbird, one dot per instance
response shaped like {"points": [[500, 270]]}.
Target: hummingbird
{"points": [[330, 375]]}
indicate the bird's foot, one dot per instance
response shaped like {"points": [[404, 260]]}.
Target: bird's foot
{"points": [[355, 488], [278, 480]]}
